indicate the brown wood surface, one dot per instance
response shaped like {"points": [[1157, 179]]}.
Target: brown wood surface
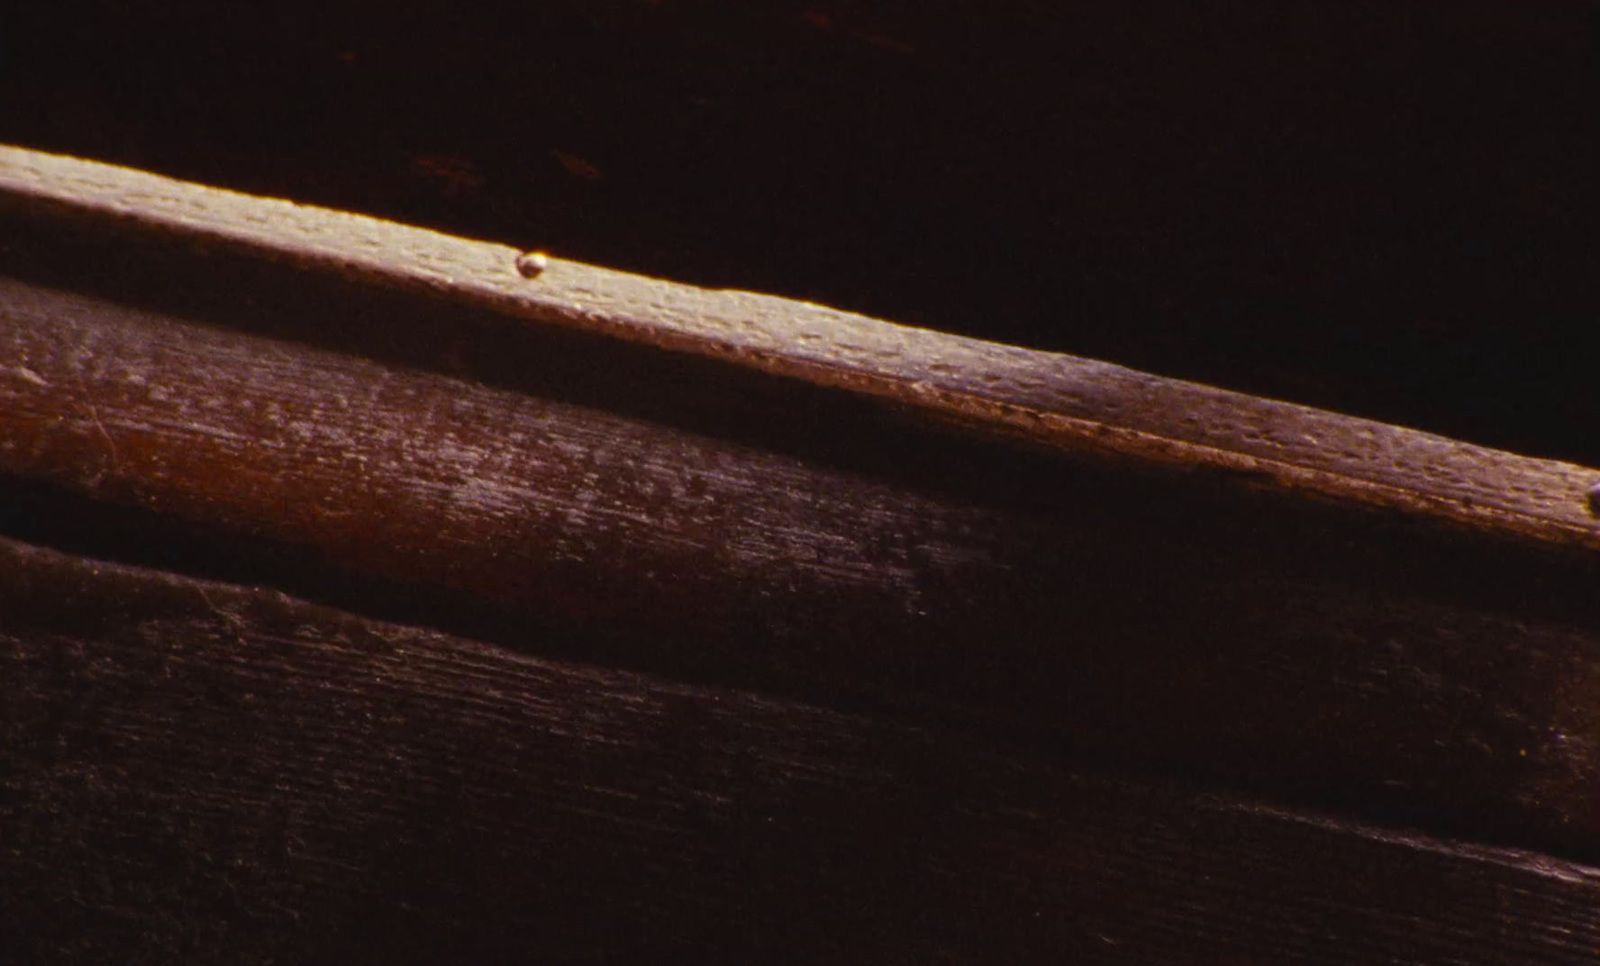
{"points": [[1377, 208], [810, 637], [1373, 618], [1054, 399], [202, 772]]}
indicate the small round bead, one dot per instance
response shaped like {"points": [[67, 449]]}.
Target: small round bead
{"points": [[531, 264]]}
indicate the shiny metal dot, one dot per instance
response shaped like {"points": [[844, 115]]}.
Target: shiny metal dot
{"points": [[532, 264]]}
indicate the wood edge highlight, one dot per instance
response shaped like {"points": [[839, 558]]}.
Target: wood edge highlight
{"points": [[1051, 399]]}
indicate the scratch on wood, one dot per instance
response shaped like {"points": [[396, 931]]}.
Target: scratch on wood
{"points": [[112, 462], [28, 375], [232, 619]]}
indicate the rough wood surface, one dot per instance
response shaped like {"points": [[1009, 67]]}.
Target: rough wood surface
{"points": [[951, 634], [1054, 398], [207, 772], [1401, 623], [1364, 206], [1318, 651]]}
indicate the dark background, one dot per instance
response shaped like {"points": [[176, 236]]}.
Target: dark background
{"points": [[1381, 208]]}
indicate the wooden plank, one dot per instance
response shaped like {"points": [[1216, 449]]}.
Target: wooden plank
{"points": [[199, 771], [1285, 199], [1112, 616], [1054, 398], [438, 461]]}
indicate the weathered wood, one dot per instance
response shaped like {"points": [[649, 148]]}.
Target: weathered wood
{"points": [[1349, 205], [1057, 399], [1382, 620], [207, 772]]}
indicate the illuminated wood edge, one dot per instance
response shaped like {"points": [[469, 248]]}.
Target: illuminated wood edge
{"points": [[1051, 398]]}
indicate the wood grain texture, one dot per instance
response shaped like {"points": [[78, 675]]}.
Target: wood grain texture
{"points": [[1321, 652], [812, 504], [1345, 205], [210, 772], [1057, 399]]}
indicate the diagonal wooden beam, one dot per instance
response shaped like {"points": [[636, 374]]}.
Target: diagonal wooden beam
{"points": [[1054, 398], [731, 489]]}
